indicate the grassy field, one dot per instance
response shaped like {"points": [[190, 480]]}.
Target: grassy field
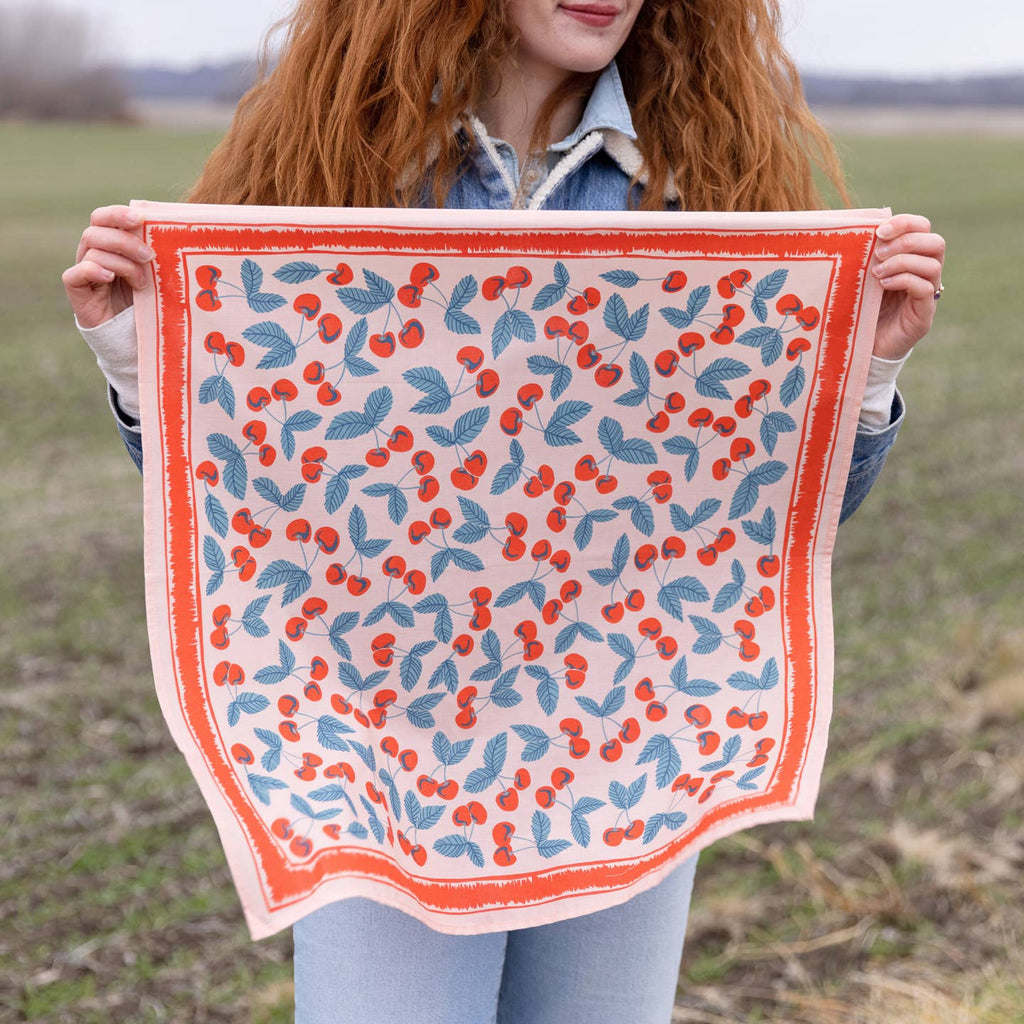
{"points": [[902, 901]]}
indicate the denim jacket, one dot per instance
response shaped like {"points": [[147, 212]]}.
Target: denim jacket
{"points": [[590, 169]]}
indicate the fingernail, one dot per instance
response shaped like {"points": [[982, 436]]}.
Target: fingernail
{"points": [[882, 251], [134, 218], [107, 275], [885, 230], [145, 253]]}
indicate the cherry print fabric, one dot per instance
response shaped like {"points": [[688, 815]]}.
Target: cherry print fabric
{"points": [[488, 554]]}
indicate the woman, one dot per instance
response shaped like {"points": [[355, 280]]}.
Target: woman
{"points": [[586, 104]]}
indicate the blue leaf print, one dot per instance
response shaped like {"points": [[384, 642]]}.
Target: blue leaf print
{"points": [[297, 272], [792, 386]]}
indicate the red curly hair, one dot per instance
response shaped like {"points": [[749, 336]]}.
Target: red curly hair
{"points": [[360, 108]]}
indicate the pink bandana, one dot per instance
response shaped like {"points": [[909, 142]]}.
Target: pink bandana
{"points": [[487, 553]]}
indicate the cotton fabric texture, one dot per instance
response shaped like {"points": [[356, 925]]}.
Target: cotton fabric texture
{"points": [[488, 554]]}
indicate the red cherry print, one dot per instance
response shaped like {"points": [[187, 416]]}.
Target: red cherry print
{"points": [[795, 347], [698, 715], [546, 797], [571, 590], [481, 619], [630, 730], [768, 565], [741, 448], [422, 462], [415, 580], [529, 394], [383, 345], [725, 539], [606, 484], [726, 288], [480, 596], [808, 317], [788, 304], [674, 282], [561, 560], [667, 647], [422, 274], [749, 650], [650, 627], [400, 439], [214, 342], [308, 305], [314, 372], [492, 287], [518, 277], [578, 332], [656, 711], [577, 305], [732, 315], [328, 328], [673, 547], [207, 300], [611, 750], [487, 382], [744, 406], [588, 357], [744, 629], [410, 296], [428, 488], [724, 426], [511, 421], [758, 720], [613, 836], [674, 402], [708, 741], [235, 353], [462, 644], [707, 555], [328, 394], [759, 388], [645, 689], [690, 342], [666, 362], [470, 357], [411, 334], [448, 790], [659, 422], [608, 375], [736, 718], [556, 327], [342, 274]]}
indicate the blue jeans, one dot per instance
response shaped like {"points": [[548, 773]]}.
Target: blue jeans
{"points": [[358, 962]]}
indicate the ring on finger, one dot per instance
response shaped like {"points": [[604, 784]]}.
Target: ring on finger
{"points": [[939, 291]]}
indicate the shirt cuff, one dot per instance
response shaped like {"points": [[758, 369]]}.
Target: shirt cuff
{"points": [[879, 395], [116, 347]]}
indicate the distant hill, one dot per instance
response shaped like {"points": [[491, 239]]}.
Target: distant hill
{"points": [[227, 82], [217, 82], [980, 91]]}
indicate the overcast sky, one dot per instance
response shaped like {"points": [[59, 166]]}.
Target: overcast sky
{"points": [[890, 37]]}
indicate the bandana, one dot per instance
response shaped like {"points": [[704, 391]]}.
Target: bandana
{"points": [[488, 553]]}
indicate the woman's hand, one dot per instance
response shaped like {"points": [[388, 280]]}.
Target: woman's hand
{"points": [[110, 263], [908, 264]]}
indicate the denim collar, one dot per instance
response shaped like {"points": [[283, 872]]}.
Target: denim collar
{"points": [[606, 109]]}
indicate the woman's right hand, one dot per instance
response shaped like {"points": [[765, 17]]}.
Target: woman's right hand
{"points": [[110, 263]]}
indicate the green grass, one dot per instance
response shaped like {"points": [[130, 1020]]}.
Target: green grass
{"points": [[107, 847]]}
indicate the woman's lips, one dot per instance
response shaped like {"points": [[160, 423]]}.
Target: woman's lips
{"points": [[597, 15]]}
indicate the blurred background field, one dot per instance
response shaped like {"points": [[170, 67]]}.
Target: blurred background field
{"points": [[901, 902]]}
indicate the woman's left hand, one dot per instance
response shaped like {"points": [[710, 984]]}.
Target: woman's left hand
{"points": [[908, 264]]}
